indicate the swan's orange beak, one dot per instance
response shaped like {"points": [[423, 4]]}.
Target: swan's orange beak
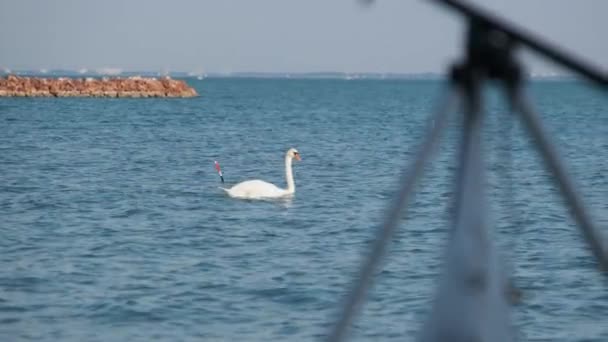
{"points": [[297, 156]]}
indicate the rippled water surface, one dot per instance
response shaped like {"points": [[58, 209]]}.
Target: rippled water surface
{"points": [[113, 228]]}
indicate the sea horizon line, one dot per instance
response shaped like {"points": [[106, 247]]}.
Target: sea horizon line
{"points": [[249, 74]]}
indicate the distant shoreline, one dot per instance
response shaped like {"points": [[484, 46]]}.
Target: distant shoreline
{"points": [[264, 75]]}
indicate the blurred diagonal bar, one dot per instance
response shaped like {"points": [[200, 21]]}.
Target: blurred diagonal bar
{"points": [[542, 47], [437, 123], [555, 165]]}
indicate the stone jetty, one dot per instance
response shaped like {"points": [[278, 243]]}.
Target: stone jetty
{"points": [[136, 86]]}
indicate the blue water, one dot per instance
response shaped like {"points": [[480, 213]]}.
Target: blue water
{"points": [[113, 228]]}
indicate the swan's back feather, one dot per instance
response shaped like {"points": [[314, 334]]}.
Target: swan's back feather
{"points": [[256, 189]]}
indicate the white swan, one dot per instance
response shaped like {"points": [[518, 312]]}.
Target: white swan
{"points": [[258, 189]]}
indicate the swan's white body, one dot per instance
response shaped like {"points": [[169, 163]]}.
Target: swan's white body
{"points": [[259, 189]]}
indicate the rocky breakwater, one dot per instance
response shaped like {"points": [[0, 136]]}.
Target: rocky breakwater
{"points": [[136, 86]]}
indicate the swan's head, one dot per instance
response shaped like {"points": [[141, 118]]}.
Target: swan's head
{"points": [[293, 154]]}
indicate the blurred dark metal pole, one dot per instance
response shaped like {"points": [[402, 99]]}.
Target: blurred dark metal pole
{"points": [[555, 165], [493, 50], [481, 315], [437, 123], [536, 44], [470, 303]]}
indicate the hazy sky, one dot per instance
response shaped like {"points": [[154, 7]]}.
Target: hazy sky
{"points": [[272, 35]]}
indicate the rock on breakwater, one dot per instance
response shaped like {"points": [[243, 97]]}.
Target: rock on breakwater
{"points": [[135, 86]]}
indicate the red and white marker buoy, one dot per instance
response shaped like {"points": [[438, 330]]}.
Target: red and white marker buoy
{"points": [[219, 171]]}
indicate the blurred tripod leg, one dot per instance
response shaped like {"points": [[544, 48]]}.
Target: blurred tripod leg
{"points": [[471, 291], [555, 165], [437, 123]]}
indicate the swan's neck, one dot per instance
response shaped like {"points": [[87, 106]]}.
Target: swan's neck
{"points": [[291, 186]]}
